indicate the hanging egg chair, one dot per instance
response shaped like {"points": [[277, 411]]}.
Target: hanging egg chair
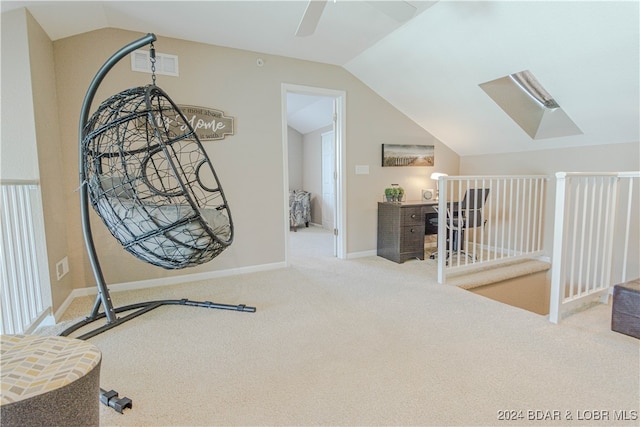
{"points": [[151, 181], [148, 177]]}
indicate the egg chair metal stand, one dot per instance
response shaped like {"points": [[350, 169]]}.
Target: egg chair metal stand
{"points": [[147, 176]]}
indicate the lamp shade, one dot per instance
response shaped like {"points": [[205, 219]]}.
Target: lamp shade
{"points": [[437, 175]]}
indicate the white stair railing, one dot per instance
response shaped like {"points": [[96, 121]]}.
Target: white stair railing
{"points": [[26, 295], [503, 224], [595, 236]]}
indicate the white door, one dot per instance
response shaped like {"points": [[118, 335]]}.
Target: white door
{"points": [[328, 181]]}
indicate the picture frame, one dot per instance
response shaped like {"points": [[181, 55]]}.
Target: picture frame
{"points": [[395, 155]]}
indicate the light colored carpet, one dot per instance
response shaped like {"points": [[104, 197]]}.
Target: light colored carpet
{"points": [[358, 342]]}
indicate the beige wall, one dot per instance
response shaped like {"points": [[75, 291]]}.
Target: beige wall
{"points": [[50, 160], [250, 163], [365, 191], [30, 135], [18, 157], [596, 158]]}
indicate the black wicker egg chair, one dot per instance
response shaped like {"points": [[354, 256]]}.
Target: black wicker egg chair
{"points": [[151, 182], [147, 176]]}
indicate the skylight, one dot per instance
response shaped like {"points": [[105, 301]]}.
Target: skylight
{"points": [[526, 101]]}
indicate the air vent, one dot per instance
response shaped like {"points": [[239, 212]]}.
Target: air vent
{"points": [[165, 64]]}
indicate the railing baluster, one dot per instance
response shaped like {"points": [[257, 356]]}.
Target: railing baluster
{"points": [[516, 215], [541, 205], [513, 214], [482, 243], [472, 221], [21, 272], [593, 259], [608, 232], [503, 231], [459, 215], [589, 255], [583, 231], [627, 229], [598, 229], [573, 248]]}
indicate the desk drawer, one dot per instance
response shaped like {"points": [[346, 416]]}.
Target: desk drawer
{"points": [[412, 216], [412, 238], [412, 242]]}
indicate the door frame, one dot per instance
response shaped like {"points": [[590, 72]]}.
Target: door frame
{"points": [[332, 132], [339, 125]]}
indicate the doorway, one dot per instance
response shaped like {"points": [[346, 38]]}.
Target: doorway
{"points": [[330, 149]]}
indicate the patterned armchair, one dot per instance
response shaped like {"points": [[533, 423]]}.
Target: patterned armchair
{"points": [[299, 208]]}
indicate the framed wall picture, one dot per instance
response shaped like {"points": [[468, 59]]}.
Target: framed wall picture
{"points": [[407, 155]]}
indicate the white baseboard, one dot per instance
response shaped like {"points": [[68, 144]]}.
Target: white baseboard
{"points": [[363, 254], [166, 281], [67, 302], [44, 319]]}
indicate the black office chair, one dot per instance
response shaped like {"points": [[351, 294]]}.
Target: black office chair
{"points": [[461, 217]]}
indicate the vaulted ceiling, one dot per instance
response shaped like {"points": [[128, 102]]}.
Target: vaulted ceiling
{"points": [[586, 54]]}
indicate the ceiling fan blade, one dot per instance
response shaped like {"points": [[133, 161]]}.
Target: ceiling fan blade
{"points": [[311, 17], [399, 10]]}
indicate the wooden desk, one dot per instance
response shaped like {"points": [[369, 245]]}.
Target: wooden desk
{"points": [[401, 229]]}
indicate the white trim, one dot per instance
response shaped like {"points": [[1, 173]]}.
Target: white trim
{"points": [[44, 319], [24, 270], [340, 97], [624, 174], [362, 254], [334, 204], [167, 281], [67, 302], [341, 165], [285, 170]]}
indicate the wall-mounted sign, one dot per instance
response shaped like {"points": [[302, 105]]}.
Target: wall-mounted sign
{"points": [[208, 123]]}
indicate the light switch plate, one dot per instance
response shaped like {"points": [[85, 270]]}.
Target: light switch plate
{"points": [[362, 169]]}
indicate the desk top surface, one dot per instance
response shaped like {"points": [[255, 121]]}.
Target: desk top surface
{"points": [[411, 203]]}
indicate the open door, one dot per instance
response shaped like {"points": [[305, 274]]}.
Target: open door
{"points": [[329, 185], [332, 169]]}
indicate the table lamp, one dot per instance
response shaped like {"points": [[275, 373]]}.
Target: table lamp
{"points": [[436, 176]]}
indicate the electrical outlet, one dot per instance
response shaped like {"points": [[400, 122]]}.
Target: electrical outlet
{"points": [[62, 267]]}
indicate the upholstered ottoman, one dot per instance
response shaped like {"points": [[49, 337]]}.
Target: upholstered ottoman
{"points": [[49, 381], [625, 315]]}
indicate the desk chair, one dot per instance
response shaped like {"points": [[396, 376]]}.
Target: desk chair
{"points": [[463, 216]]}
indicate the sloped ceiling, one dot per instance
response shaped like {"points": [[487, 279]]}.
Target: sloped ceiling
{"points": [[585, 53], [309, 113]]}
